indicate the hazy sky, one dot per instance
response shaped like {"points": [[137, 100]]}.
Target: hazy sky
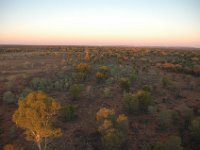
{"points": [[101, 22]]}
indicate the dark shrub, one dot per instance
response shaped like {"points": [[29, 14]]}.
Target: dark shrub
{"points": [[195, 133], [75, 90], [80, 76], [165, 118], [113, 130], [25, 92], [145, 100], [173, 143], [131, 102], [59, 85], [9, 97], [40, 84], [67, 112], [159, 146], [147, 88], [124, 84]]}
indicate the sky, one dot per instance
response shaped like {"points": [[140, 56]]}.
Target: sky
{"points": [[101, 22]]}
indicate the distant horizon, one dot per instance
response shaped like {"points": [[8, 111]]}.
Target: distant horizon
{"points": [[131, 46], [166, 23]]}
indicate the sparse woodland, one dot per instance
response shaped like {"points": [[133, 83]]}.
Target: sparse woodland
{"points": [[99, 98]]}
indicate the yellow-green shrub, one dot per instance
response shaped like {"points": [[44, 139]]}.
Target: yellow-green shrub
{"points": [[84, 68], [113, 130], [100, 77], [104, 69]]}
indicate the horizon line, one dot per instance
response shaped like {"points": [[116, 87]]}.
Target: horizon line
{"points": [[102, 45]]}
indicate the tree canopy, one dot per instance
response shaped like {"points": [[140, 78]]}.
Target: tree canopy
{"points": [[35, 114]]}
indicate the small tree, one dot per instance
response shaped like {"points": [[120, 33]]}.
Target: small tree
{"points": [[114, 130], [35, 115], [145, 100]]}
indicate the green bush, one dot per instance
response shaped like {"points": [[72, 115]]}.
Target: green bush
{"points": [[195, 129], [58, 85], [140, 101], [159, 146], [127, 71], [80, 76], [124, 84], [113, 130], [75, 91], [165, 118], [133, 76], [173, 143], [111, 140], [81, 72], [145, 100], [147, 88], [110, 80], [40, 84], [187, 114], [152, 110], [131, 102], [166, 82], [67, 112], [107, 93], [24, 93], [122, 124], [9, 97]]}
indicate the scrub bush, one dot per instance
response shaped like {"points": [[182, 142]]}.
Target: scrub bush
{"points": [[9, 97], [75, 91], [67, 112], [131, 102], [113, 130], [124, 84], [165, 118]]}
